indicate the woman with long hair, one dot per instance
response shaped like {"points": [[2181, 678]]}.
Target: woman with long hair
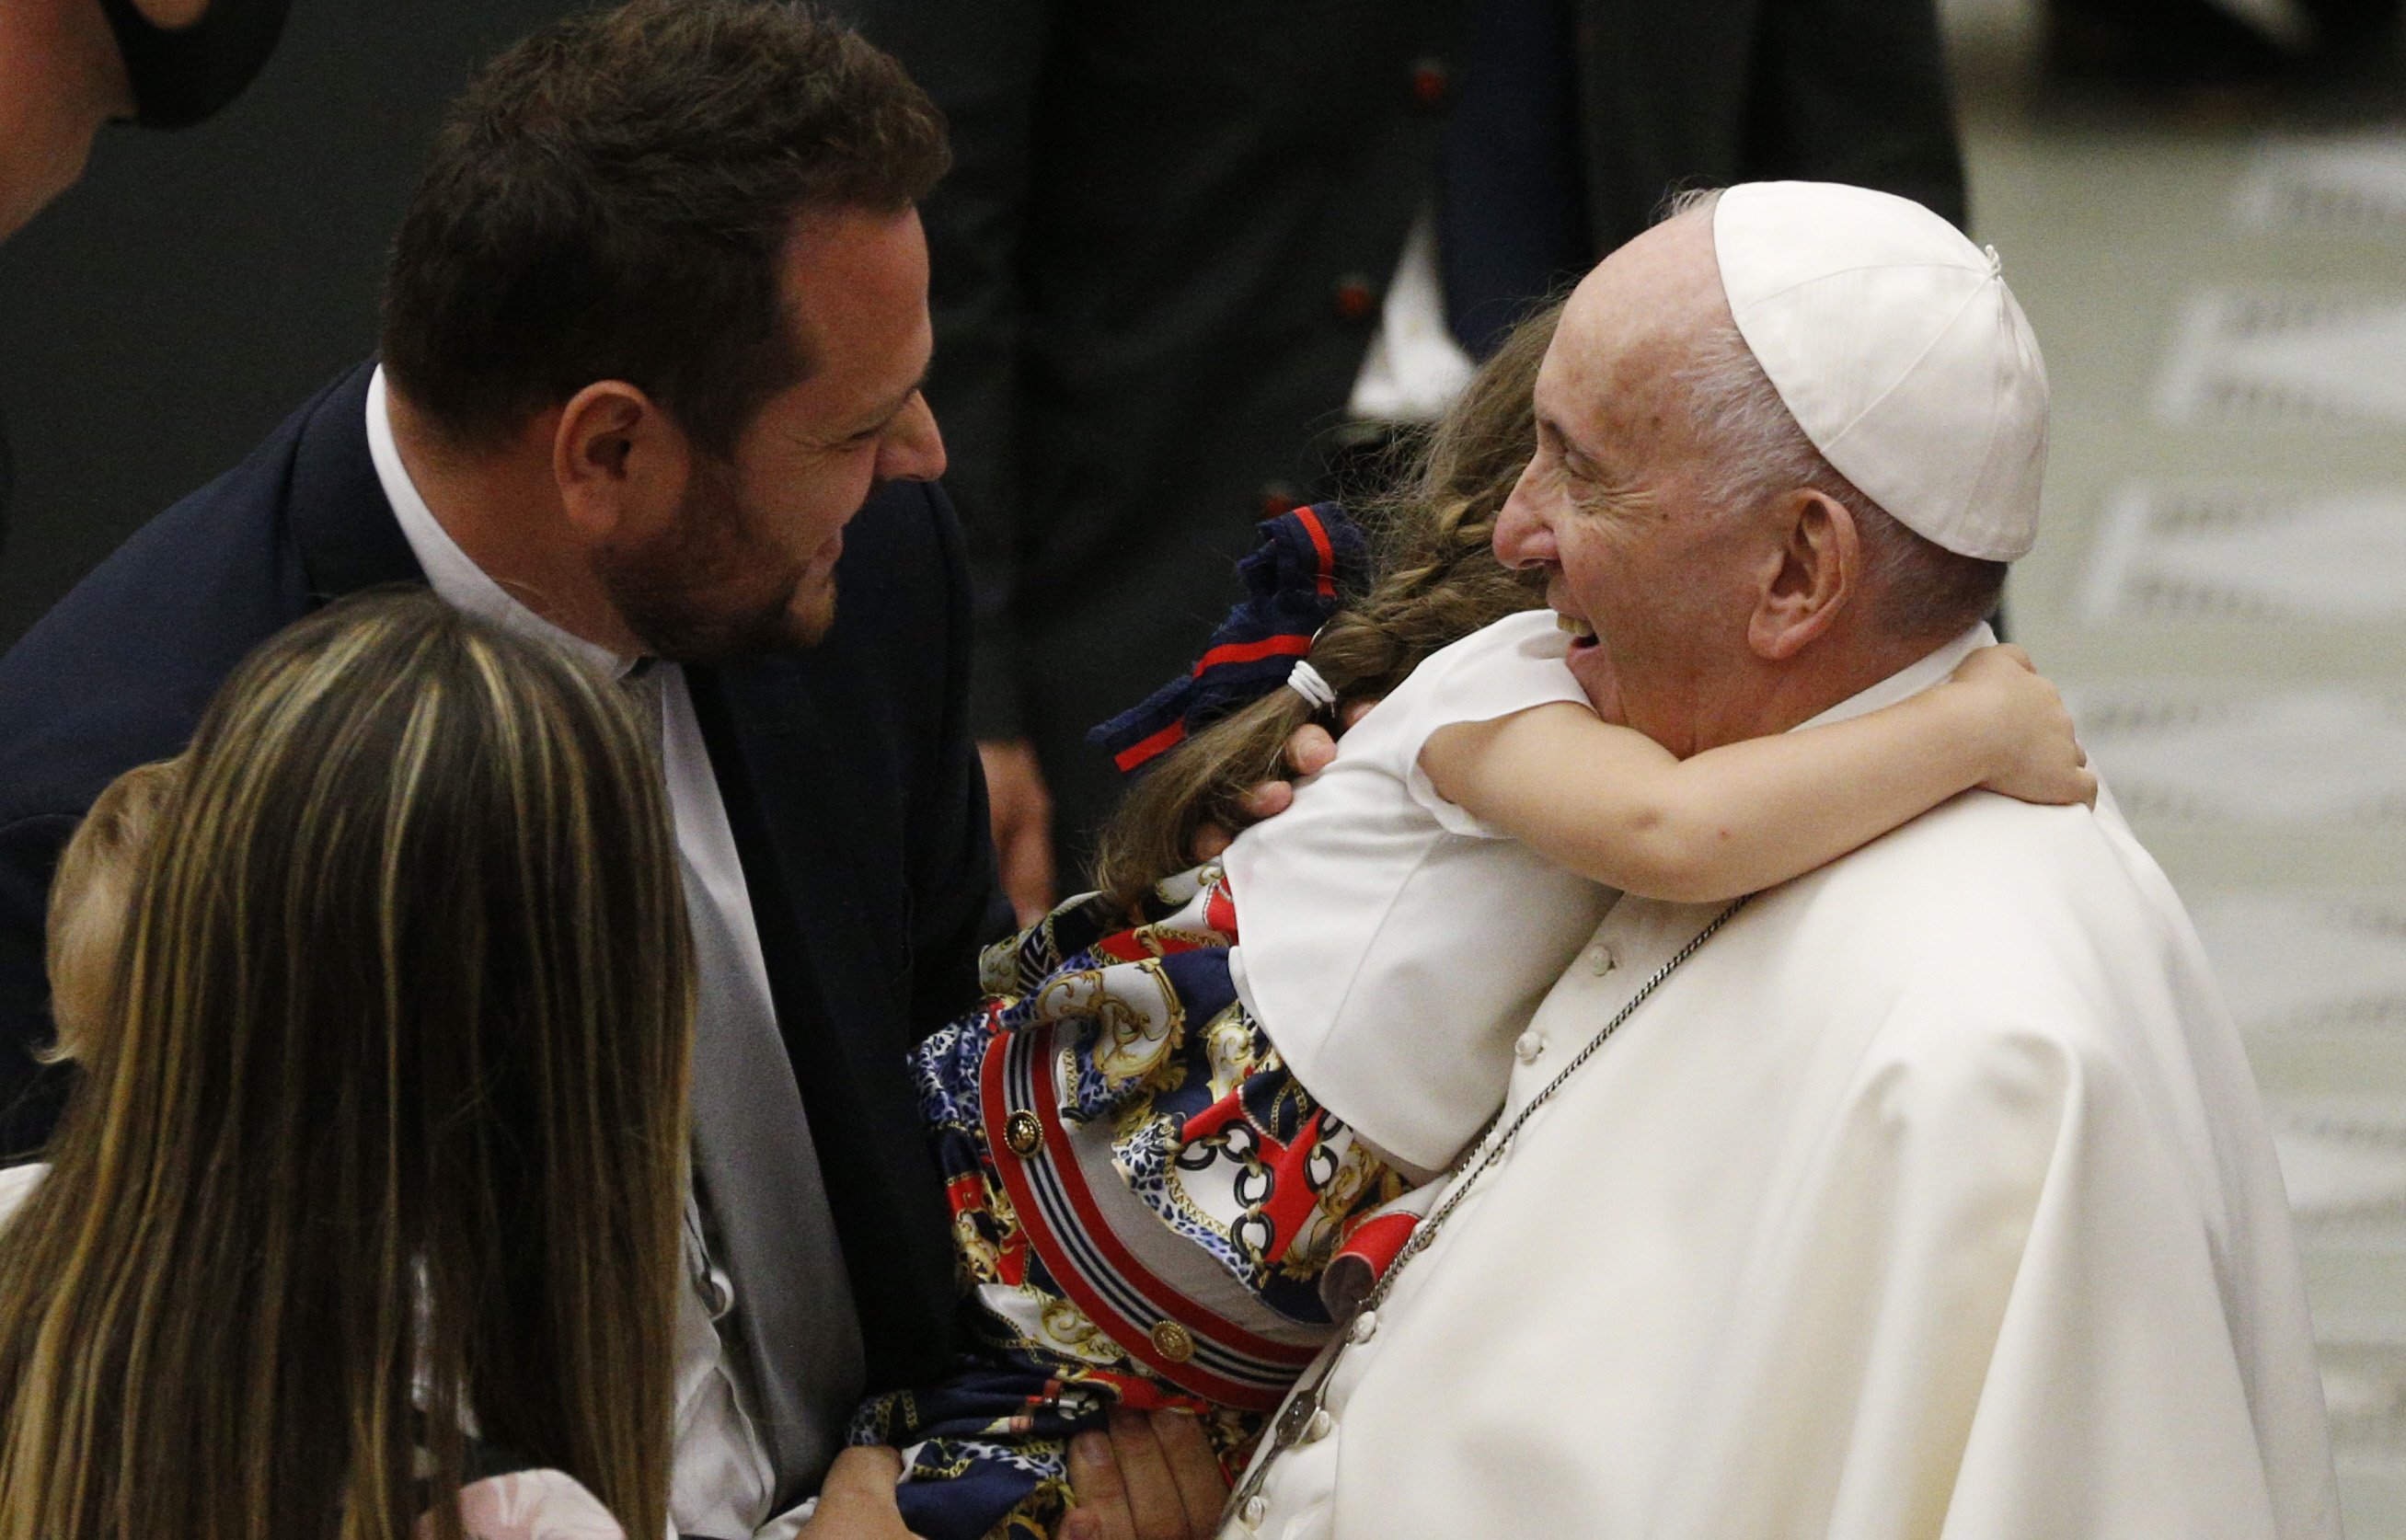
{"points": [[374, 1179]]}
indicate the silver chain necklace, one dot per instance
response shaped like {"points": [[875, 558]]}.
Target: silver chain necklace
{"points": [[1304, 1417]]}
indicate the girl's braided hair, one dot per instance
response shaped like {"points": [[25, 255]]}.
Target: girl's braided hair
{"points": [[1438, 581]]}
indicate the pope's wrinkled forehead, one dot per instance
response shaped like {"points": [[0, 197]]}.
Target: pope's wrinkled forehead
{"points": [[1634, 322]]}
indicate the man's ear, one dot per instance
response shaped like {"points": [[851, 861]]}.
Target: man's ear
{"points": [[1819, 570], [621, 465]]}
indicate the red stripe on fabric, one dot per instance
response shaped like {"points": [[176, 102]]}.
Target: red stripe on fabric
{"points": [[1292, 1199], [1099, 1231], [1376, 1241], [1289, 645], [1136, 1344], [964, 1194], [1220, 913], [1212, 1118], [1137, 753], [1132, 1338], [1319, 534], [1143, 1396], [1123, 947]]}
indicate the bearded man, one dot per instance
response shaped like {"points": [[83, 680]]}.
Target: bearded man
{"points": [[653, 331], [1927, 1196]]}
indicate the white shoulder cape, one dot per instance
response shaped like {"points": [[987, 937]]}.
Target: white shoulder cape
{"points": [[1932, 1197]]}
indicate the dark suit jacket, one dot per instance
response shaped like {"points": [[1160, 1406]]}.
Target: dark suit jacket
{"points": [[847, 770], [1160, 256]]}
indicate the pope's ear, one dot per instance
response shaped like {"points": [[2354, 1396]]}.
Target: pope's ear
{"points": [[1812, 577], [620, 463]]}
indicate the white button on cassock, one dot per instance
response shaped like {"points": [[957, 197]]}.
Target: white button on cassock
{"points": [[1365, 1327], [1527, 1047], [1601, 961], [1253, 1512]]}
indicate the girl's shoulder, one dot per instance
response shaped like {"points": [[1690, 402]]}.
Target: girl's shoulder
{"points": [[1529, 636], [1507, 666]]}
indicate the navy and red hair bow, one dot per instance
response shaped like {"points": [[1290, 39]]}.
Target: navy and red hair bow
{"points": [[1309, 559]]}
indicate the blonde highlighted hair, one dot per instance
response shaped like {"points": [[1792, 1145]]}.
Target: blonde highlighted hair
{"points": [[89, 894], [1437, 582], [381, 1136]]}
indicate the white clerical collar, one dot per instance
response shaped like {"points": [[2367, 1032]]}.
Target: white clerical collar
{"points": [[455, 578], [1910, 680]]}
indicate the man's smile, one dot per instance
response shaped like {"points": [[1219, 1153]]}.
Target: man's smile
{"points": [[1581, 628]]}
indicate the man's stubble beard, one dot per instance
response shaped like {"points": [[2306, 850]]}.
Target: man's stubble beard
{"points": [[708, 589]]}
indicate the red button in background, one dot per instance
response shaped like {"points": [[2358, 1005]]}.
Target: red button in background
{"points": [[1432, 82], [1352, 298], [1278, 497]]}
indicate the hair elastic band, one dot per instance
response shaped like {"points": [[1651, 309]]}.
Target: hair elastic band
{"points": [[1305, 681]]}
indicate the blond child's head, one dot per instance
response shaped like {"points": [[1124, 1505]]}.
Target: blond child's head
{"points": [[91, 896]]}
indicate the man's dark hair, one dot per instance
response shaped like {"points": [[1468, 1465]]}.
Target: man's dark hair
{"points": [[610, 201]]}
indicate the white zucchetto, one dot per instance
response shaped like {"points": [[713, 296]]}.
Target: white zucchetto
{"points": [[1899, 349]]}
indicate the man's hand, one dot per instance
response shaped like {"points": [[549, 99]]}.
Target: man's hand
{"points": [[1309, 750], [1020, 811], [856, 1501], [1153, 1477]]}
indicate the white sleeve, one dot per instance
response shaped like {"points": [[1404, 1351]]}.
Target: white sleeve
{"points": [[1509, 668]]}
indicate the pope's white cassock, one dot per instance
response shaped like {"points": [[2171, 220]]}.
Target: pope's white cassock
{"points": [[1932, 1197]]}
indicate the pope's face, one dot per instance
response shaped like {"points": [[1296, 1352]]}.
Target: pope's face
{"points": [[1613, 506]]}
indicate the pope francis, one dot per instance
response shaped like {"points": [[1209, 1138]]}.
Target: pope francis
{"points": [[1926, 1196]]}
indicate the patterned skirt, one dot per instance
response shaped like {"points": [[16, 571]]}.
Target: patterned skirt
{"points": [[1144, 1203]]}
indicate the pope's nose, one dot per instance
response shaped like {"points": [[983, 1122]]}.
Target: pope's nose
{"points": [[1522, 536]]}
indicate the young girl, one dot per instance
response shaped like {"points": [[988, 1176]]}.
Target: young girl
{"points": [[373, 1181], [90, 895], [1161, 1136]]}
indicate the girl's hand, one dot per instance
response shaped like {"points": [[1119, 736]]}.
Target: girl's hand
{"points": [[2037, 758], [1309, 750]]}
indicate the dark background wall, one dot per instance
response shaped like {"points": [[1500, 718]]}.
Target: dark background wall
{"points": [[194, 287]]}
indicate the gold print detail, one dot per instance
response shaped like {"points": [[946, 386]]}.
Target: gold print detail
{"points": [[1173, 1342], [1067, 1324]]}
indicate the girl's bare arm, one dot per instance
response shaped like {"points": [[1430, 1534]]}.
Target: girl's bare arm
{"points": [[1611, 804]]}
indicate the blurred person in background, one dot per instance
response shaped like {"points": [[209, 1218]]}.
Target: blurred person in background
{"points": [[2216, 46], [68, 66], [1180, 245]]}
